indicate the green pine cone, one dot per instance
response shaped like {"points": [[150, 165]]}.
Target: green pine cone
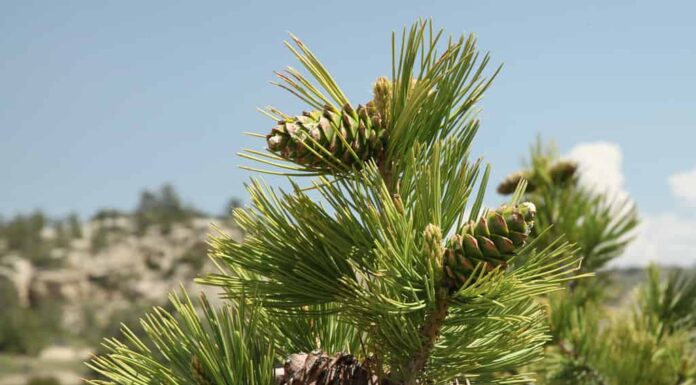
{"points": [[314, 138], [492, 241]]}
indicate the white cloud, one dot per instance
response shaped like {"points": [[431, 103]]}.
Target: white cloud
{"points": [[683, 186], [600, 167], [667, 238]]}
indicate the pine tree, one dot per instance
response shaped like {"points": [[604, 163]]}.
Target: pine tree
{"points": [[599, 223], [594, 343], [383, 267]]}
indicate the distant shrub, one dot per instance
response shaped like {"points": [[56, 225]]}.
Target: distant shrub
{"points": [[47, 380], [105, 214], [62, 235], [26, 330], [95, 329], [99, 240], [20, 331], [196, 255]]}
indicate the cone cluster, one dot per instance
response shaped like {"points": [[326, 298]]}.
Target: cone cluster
{"points": [[330, 138], [491, 241]]}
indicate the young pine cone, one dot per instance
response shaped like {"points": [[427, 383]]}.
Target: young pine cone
{"points": [[381, 95], [492, 241], [321, 139]]}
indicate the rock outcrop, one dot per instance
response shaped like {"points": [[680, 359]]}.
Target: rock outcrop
{"points": [[123, 269]]}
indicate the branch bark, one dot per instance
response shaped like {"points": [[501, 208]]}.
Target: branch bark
{"points": [[429, 333]]}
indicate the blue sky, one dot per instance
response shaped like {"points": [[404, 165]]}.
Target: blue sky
{"points": [[99, 100]]}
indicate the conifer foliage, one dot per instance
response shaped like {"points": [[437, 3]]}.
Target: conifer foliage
{"points": [[646, 341], [600, 223], [383, 267]]}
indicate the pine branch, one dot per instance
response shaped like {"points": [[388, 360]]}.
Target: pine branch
{"points": [[388, 262], [222, 346], [435, 318], [668, 305]]}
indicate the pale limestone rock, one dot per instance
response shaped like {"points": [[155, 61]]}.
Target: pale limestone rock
{"points": [[20, 272], [130, 269]]}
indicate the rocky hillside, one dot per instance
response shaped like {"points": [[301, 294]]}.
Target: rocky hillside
{"points": [[65, 284]]}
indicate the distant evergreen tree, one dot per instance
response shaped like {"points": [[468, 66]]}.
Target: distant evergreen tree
{"points": [[23, 235], [599, 224], [162, 208], [99, 240], [62, 236], [74, 226], [232, 204], [107, 214]]}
